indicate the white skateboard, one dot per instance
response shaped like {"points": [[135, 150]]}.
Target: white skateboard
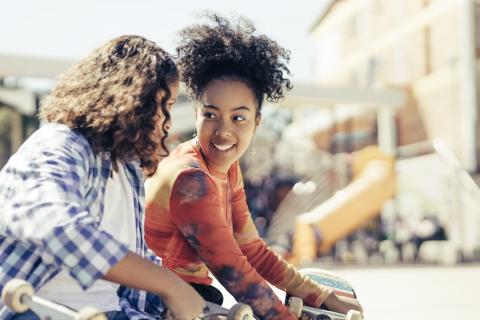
{"points": [[18, 296]]}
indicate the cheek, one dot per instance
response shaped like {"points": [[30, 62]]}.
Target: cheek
{"points": [[204, 128]]}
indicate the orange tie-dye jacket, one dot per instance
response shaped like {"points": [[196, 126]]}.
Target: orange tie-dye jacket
{"points": [[198, 220]]}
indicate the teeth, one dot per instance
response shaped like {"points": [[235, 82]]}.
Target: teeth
{"points": [[223, 147]]}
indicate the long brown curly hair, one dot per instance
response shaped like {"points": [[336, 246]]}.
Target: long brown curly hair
{"points": [[110, 97]]}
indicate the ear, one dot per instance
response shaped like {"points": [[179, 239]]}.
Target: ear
{"points": [[258, 118]]}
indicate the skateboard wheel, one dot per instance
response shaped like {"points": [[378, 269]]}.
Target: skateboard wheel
{"points": [[16, 294], [295, 305], [354, 315], [90, 314], [240, 311]]}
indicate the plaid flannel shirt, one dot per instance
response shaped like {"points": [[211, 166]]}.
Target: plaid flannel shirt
{"points": [[51, 204]]}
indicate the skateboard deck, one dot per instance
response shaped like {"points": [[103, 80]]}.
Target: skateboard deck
{"points": [[338, 285], [18, 295]]}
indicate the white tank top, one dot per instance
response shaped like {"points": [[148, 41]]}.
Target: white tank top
{"points": [[119, 221]]}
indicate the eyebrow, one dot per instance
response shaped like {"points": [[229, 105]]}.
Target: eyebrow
{"points": [[211, 106]]}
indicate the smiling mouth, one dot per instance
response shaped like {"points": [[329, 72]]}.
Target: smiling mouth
{"points": [[222, 147]]}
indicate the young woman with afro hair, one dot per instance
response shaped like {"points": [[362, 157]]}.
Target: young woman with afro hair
{"points": [[197, 214]]}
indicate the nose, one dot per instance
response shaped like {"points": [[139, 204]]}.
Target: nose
{"points": [[223, 129]]}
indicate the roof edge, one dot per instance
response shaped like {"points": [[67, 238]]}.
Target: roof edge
{"points": [[324, 12]]}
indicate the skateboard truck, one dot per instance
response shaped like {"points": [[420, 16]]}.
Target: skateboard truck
{"points": [[238, 311], [295, 305], [18, 296]]}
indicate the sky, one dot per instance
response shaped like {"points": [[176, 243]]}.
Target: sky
{"points": [[70, 29]]}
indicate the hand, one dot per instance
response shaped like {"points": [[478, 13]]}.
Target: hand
{"points": [[342, 304], [183, 302]]}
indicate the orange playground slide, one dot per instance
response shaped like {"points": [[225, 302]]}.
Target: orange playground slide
{"points": [[350, 208]]}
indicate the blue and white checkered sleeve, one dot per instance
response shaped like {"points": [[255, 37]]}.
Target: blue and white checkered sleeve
{"points": [[85, 251], [49, 208]]}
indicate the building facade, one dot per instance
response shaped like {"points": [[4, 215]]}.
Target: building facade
{"points": [[427, 47]]}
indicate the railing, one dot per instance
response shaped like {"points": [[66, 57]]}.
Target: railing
{"points": [[329, 175]]}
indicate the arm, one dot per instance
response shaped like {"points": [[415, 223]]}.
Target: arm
{"points": [[197, 211], [53, 185], [284, 275], [271, 266], [139, 273]]}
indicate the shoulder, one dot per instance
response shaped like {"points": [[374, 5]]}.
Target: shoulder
{"points": [[185, 155], [184, 158], [57, 137], [193, 178], [60, 133], [54, 153], [55, 143], [193, 184], [174, 172]]}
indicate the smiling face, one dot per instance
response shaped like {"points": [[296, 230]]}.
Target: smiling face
{"points": [[226, 122]]}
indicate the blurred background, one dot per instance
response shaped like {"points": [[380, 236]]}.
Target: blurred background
{"points": [[370, 165]]}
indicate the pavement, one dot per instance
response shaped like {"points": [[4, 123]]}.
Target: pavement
{"points": [[412, 292]]}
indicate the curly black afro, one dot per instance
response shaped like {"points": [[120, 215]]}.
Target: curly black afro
{"points": [[220, 50]]}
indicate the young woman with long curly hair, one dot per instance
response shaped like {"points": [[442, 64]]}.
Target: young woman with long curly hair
{"points": [[197, 216], [72, 197]]}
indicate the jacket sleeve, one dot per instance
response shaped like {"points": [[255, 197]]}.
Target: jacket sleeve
{"points": [[196, 209], [43, 204]]}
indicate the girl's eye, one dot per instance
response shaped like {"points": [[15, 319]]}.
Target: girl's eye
{"points": [[239, 118], [209, 115]]}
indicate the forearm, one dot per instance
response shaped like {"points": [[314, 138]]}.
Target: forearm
{"points": [[284, 275], [136, 272], [233, 270]]}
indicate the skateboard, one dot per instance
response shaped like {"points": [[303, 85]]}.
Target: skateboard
{"points": [[239, 311], [340, 287], [18, 296]]}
